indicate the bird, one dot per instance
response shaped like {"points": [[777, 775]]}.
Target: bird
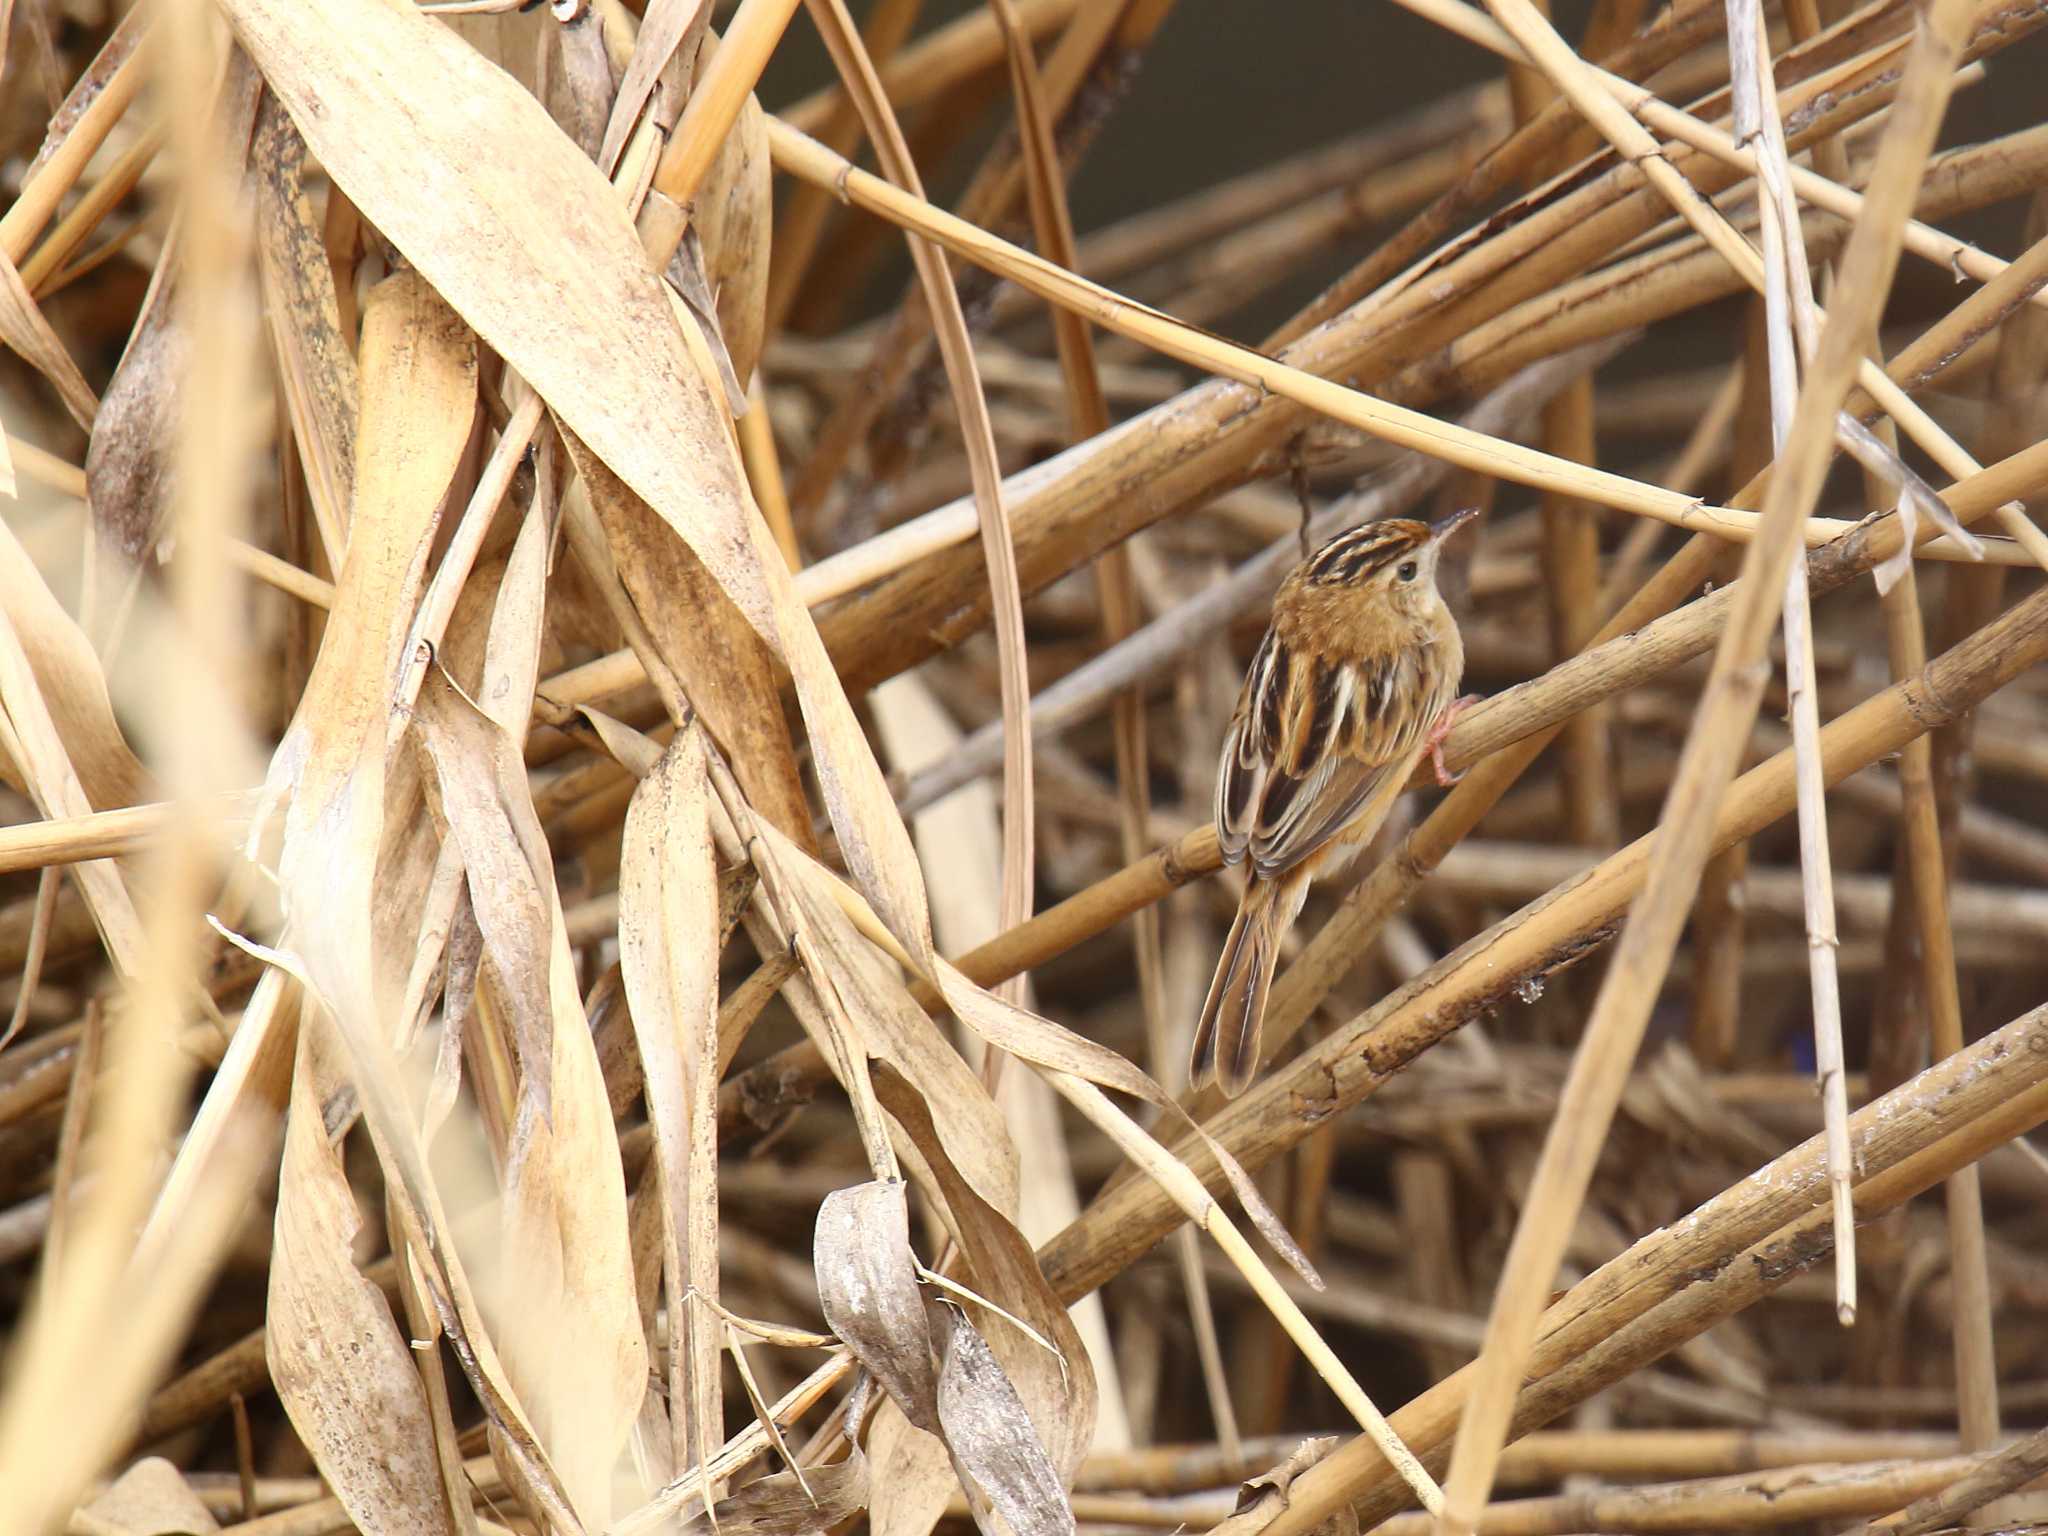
{"points": [[1354, 684]]}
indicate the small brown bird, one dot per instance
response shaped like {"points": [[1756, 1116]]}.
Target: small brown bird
{"points": [[1355, 682]]}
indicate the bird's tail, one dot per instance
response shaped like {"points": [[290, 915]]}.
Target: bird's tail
{"points": [[1227, 1037]]}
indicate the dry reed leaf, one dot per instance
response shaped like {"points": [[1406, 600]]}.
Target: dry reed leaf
{"points": [[341, 1367], [53, 784], [894, 1028], [1055, 1387], [666, 27], [565, 1205], [668, 932], [867, 1288], [418, 375], [1003, 1467], [68, 674], [521, 235], [732, 216], [786, 1504], [23, 328], [151, 1498], [315, 364], [711, 652]]}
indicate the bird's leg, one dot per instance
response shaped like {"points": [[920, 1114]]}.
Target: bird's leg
{"points": [[1433, 743]]}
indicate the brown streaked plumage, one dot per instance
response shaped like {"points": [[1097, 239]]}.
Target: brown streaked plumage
{"points": [[1353, 685]]}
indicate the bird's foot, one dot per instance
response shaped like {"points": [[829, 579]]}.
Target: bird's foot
{"points": [[1434, 741]]}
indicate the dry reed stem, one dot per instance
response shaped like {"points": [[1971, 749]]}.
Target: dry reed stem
{"points": [[1732, 1251]]}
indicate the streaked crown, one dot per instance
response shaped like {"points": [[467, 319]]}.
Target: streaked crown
{"points": [[1357, 553]]}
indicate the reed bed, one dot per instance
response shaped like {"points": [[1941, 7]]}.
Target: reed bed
{"points": [[607, 853]]}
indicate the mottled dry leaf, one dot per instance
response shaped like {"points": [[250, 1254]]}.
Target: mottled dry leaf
{"points": [[129, 464], [867, 1288], [1058, 1389], [315, 365], [152, 1498], [668, 948], [340, 1364], [992, 1438], [783, 1505], [580, 87]]}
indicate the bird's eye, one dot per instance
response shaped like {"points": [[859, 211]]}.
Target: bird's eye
{"points": [[1407, 570]]}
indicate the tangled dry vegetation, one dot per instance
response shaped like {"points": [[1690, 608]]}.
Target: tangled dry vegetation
{"points": [[515, 673]]}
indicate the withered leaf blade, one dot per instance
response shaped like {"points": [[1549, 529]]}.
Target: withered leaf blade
{"points": [[341, 1367], [668, 922], [315, 366], [867, 1288], [992, 1438]]}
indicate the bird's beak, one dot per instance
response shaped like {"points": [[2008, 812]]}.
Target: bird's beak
{"points": [[1440, 531]]}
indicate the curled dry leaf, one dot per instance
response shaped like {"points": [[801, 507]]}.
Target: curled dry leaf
{"points": [[340, 1365], [1056, 1387], [582, 85], [128, 461], [1057, 1384], [992, 1438], [867, 1288], [1262, 1497]]}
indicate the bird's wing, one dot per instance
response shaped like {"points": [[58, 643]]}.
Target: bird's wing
{"points": [[1315, 740], [1241, 776]]}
